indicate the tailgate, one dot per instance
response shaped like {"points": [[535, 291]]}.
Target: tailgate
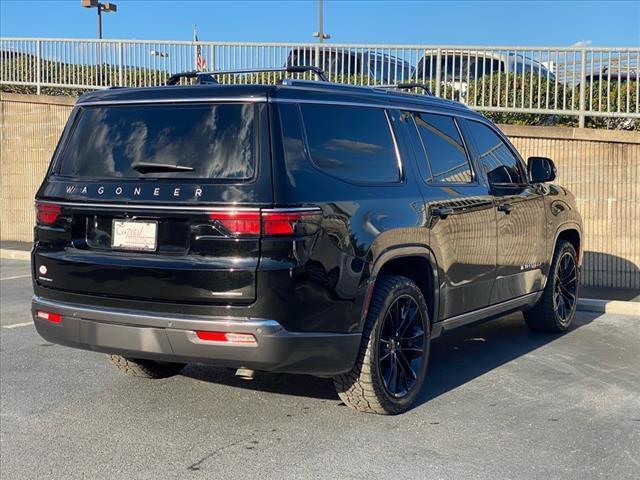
{"points": [[194, 259], [143, 201]]}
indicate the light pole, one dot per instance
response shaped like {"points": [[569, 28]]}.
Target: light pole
{"points": [[320, 35], [106, 7]]}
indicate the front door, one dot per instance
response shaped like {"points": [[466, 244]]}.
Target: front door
{"points": [[520, 214]]}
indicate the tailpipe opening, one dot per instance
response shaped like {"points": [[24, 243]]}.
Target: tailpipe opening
{"points": [[245, 373]]}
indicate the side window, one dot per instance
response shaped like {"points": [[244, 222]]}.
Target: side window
{"points": [[292, 143], [351, 143], [444, 148], [496, 158]]}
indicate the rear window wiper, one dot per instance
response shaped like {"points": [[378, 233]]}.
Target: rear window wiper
{"points": [[148, 167]]}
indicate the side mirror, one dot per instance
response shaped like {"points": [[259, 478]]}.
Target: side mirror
{"points": [[541, 169]]}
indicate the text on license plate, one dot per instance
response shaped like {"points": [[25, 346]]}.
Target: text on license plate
{"points": [[134, 235]]}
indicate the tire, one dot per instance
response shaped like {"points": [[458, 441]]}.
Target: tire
{"points": [[369, 386], [552, 313], [145, 368]]}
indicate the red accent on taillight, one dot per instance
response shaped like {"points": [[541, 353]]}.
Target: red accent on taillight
{"points": [[52, 317], [238, 222], [283, 223], [227, 337], [47, 213]]}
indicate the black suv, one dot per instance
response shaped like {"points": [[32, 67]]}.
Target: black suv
{"points": [[305, 227]]}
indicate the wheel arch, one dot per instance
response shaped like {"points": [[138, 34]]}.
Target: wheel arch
{"points": [[416, 262], [572, 233]]}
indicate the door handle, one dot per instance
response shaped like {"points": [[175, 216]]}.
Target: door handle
{"points": [[505, 207], [442, 212]]}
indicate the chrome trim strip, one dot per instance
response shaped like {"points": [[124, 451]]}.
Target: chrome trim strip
{"points": [[458, 111], [295, 209], [128, 206], [174, 100], [329, 102], [395, 146]]}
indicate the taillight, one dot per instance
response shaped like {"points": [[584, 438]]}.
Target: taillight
{"points": [[284, 223], [269, 222], [51, 317], [226, 337], [47, 213], [238, 222]]}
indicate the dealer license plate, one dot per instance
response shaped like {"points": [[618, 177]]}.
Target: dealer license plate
{"points": [[141, 236]]}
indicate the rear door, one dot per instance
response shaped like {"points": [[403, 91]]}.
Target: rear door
{"points": [[157, 202], [522, 237], [462, 218]]}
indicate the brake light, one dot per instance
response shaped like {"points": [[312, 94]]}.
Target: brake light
{"points": [[269, 223], [280, 223], [238, 222], [227, 337], [51, 317], [47, 213]]}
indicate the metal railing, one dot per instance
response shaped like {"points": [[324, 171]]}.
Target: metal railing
{"points": [[579, 82]]}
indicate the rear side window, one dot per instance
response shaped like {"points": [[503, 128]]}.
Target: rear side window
{"points": [[496, 158], [444, 148], [214, 141], [351, 143]]}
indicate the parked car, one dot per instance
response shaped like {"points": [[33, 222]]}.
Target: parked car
{"points": [[385, 69], [329, 230], [616, 73], [458, 67]]}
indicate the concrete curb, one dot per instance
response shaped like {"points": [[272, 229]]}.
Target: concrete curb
{"points": [[617, 307], [14, 254]]}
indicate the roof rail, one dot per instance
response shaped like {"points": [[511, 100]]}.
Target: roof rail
{"points": [[408, 86], [202, 77], [209, 77]]}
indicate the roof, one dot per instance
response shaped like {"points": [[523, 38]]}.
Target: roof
{"points": [[290, 90]]}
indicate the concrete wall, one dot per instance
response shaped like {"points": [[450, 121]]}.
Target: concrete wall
{"points": [[30, 126], [601, 167]]}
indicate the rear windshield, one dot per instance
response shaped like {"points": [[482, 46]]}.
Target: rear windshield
{"points": [[214, 141]]}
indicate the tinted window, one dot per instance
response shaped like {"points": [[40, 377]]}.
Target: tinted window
{"points": [[352, 143], [216, 141], [494, 153], [444, 148]]}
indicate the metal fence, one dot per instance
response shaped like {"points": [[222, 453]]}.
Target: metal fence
{"points": [[580, 82]]}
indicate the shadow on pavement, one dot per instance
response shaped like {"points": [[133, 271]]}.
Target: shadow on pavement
{"points": [[463, 356], [455, 360]]}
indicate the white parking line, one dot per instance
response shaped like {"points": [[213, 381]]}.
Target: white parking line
{"points": [[16, 325], [15, 277]]}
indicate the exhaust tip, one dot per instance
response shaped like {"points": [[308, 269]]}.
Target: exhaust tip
{"points": [[245, 373]]}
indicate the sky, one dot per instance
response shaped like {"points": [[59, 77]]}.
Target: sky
{"points": [[534, 23]]}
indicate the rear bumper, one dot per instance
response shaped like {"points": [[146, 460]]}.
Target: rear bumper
{"points": [[171, 338]]}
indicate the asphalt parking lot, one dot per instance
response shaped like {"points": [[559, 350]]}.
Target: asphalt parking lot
{"points": [[501, 402]]}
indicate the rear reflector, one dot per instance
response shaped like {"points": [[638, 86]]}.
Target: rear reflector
{"points": [[47, 213], [227, 337], [52, 317]]}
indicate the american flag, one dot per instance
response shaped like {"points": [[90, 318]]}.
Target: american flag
{"points": [[201, 63]]}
